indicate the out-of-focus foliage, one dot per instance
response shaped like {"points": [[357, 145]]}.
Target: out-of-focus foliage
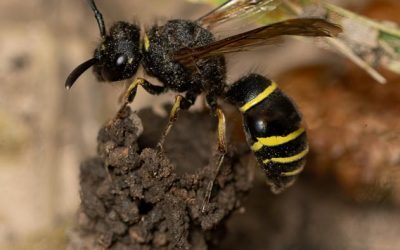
{"points": [[368, 43]]}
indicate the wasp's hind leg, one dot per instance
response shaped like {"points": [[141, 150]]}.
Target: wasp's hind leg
{"points": [[179, 104], [222, 148]]}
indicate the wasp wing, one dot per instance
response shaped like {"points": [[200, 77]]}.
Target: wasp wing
{"points": [[257, 37], [236, 9]]}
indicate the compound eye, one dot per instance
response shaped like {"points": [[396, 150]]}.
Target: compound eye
{"points": [[121, 60]]}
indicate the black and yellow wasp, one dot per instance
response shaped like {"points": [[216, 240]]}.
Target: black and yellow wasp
{"points": [[185, 56]]}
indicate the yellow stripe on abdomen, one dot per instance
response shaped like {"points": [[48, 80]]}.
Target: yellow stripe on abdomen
{"points": [[288, 159], [293, 172], [276, 140], [267, 91]]}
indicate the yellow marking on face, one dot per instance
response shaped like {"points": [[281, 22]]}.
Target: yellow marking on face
{"points": [[275, 140], [293, 172], [130, 60], [267, 91], [146, 42], [102, 47], [288, 159]]}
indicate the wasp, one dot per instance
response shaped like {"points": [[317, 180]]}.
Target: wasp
{"points": [[186, 58]]}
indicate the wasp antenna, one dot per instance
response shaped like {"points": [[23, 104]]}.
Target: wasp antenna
{"points": [[78, 71], [99, 18]]}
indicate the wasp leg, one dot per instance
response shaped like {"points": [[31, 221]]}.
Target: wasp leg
{"points": [[179, 104], [222, 149], [173, 115], [129, 94], [131, 91], [153, 89]]}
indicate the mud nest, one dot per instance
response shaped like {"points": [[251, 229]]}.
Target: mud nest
{"points": [[137, 197]]}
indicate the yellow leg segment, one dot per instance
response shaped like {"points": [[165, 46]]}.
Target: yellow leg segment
{"points": [[129, 94], [220, 157], [173, 116]]}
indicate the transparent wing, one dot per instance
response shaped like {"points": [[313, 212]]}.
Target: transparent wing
{"points": [[236, 9], [264, 35]]}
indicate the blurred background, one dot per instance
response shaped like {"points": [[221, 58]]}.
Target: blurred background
{"points": [[350, 191]]}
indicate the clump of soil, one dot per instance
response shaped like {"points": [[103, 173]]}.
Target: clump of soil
{"points": [[135, 196]]}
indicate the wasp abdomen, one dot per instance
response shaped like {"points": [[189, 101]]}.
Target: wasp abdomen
{"points": [[273, 128]]}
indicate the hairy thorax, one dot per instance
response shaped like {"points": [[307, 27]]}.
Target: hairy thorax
{"points": [[160, 43]]}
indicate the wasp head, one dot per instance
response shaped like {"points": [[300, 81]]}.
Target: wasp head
{"points": [[117, 57]]}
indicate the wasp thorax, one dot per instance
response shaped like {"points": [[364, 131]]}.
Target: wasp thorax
{"points": [[119, 53]]}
